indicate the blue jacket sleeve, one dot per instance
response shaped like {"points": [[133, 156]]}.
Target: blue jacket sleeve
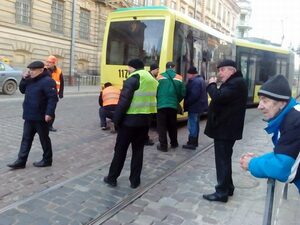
{"points": [[271, 165]]}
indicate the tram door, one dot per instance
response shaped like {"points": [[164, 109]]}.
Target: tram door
{"points": [[248, 68]]}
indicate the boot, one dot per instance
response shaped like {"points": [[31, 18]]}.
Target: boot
{"points": [[18, 164], [191, 144]]}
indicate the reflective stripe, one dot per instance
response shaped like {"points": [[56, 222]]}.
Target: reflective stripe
{"points": [[140, 93], [143, 104], [294, 169]]}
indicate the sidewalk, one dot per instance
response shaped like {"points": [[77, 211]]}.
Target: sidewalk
{"points": [[68, 91]]}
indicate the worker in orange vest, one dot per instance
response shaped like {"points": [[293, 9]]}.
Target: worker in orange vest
{"points": [[108, 101], [57, 76]]}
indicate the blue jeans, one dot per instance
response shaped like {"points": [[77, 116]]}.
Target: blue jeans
{"points": [[193, 125]]}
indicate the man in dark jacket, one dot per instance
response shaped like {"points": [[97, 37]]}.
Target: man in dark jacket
{"points": [[38, 110], [195, 103], [225, 123], [137, 102]]}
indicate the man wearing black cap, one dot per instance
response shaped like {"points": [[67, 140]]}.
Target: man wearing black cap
{"points": [[282, 113], [132, 115], [38, 110], [195, 103], [225, 123]]}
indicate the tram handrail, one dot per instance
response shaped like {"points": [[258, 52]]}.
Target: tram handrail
{"points": [[267, 220]]}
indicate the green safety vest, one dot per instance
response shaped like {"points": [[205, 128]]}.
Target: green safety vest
{"points": [[144, 98]]}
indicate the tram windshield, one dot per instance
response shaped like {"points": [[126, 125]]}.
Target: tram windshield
{"points": [[134, 39]]}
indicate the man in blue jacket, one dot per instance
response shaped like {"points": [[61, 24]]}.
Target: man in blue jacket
{"points": [[282, 113], [195, 103], [38, 110]]}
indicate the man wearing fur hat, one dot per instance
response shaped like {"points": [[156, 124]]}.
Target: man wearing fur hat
{"points": [[282, 114], [132, 116], [57, 76], [225, 123], [38, 110]]}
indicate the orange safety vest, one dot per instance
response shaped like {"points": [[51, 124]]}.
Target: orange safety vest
{"points": [[56, 77], [110, 96]]}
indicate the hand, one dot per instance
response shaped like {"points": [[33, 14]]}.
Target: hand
{"points": [[212, 80], [26, 75], [48, 118], [245, 159]]}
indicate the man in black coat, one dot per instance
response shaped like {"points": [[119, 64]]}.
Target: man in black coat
{"points": [[225, 123], [38, 110]]}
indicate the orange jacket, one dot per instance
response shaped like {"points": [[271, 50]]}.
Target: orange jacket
{"points": [[58, 78], [110, 96]]}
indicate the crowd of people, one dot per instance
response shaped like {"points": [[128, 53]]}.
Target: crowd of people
{"points": [[148, 93]]}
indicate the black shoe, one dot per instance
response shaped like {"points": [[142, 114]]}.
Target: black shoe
{"points": [[174, 146], [134, 186], [189, 146], [149, 142], [112, 183], [42, 163], [162, 149], [230, 193], [216, 197], [52, 129], [18, 164]]}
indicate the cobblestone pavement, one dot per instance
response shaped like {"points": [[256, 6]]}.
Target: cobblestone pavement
{"points": [[72, 191]]}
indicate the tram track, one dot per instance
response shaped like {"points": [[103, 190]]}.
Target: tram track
{"points": [[142, 190]]}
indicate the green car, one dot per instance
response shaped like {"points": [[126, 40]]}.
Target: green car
{"points": [[9, 79]]}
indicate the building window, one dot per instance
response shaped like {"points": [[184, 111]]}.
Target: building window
{"points": [[57, 17], [148, 2], [219, 11], [135, 2], [173, 5], [162, 2], [208, 5], [23, 12], [182, 9], [84, 24]]}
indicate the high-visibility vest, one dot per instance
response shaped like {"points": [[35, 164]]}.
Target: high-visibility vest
{"points": [[144, 98], [110, 96], [56, 77]]}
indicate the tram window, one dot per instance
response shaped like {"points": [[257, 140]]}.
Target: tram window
{"points": [[134, 39]]}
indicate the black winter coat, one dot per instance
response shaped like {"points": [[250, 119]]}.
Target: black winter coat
{"points": [[130, 120], [195, 100], [226, 112], [40, 97]]}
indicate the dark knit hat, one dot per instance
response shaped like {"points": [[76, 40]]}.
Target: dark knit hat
{"points": [[276, 88], [227, 62], [136, 63], [36, 65], [170, 65], [153, 66], [192, 70]]}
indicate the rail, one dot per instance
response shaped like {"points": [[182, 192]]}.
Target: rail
{"points": [[269, 202], [82, 80], [274, 194]]}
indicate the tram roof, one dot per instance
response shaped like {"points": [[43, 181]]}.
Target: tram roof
{"points": [[145, 11], [260, 46]]}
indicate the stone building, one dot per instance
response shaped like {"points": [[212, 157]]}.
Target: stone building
{"points": [[33, 29]]}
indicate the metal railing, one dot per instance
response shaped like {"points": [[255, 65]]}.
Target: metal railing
{"points": [[269, 202], [82, 80], [274, 194]]}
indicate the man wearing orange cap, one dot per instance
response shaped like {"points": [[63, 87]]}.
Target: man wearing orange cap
{"points": [[57, 76]]}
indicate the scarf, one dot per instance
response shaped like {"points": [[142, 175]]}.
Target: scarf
{"points": [[274, 124]]}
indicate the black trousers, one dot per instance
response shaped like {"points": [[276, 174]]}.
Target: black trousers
{"points": [[29, 130], [223, 154], [136, 137], [167, 122]]}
